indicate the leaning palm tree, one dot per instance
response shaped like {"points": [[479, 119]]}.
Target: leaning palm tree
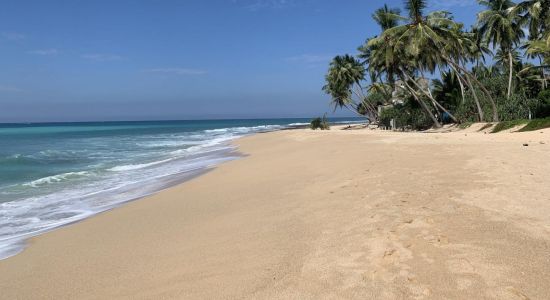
{"points": [[387, 17], [536, 15], [415, 46], [343, 80], [540, 47], [501, 28]]}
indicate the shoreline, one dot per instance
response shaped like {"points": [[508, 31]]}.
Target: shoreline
{"points": [[14, 245], [309, 214], [20, 243], [17, 244]]}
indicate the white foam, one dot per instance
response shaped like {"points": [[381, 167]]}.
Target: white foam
{"points": [[55, 178], [137, 166], [57, 201]]}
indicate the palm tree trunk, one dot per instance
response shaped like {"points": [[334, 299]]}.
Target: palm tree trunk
{"points": [[373, 109], [470, 85], [354, 110], [510, 75], [476, 99], [423, 105], [485, 91], [543, 74], [369, 107], [436, 104]]}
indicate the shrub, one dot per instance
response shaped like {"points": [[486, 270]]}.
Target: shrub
{"points": [[320, 123], [543, 108], [517, 107], [486, 126], [465, 125], [508, 125], [536, 124], [408, 115]]}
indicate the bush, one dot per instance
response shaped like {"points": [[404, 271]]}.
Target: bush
{"points": [[320, 123], [465, 125], [486, 126], [508, 125], [408, 115], [543, 108], [537, 124], [517, 107]]}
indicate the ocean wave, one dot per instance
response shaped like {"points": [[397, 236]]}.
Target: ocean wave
{"points": [[106, 171], [243, 130], [168, 144], [57, 178], [137, 166]]}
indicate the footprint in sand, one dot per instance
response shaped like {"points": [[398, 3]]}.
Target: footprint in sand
{"points": [[389, 253], [463, 283], [460, 266], [517, 293], [437, 240]]}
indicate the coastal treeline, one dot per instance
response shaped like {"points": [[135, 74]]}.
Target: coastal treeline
{"points": [[425, 69]]}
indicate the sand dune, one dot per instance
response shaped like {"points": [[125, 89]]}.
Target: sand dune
{"points": [[319, 215]]}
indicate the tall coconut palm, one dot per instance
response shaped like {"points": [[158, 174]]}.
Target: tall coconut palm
{"points": [[501, 28], [416, 44], [540, 47], [343, 80], [387, 17], [536, 15]]}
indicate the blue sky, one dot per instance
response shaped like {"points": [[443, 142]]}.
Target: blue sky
{"points": [[139, 60]]}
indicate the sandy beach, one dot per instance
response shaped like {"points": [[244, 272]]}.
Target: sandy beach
{"points": [[319, 215]]}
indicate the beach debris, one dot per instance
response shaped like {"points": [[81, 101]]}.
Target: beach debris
{"points": [[525, 145]]}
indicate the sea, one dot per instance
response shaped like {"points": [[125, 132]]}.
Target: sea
{"points": [[54, 174]]}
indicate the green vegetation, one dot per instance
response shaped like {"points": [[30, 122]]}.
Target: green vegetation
{"points": [[536, 124], [320, 123], [486, 126], [508, 125], [394, 69], [465, 125]]}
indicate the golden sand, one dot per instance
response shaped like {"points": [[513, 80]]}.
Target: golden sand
{"points": [[319, 215]]}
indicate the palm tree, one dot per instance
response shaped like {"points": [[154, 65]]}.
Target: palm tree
{"points": [[343, 80], [501, 28], [536, 15], [540, 47], [387, 17], [414, 46], [447, 90], [502, 59]]}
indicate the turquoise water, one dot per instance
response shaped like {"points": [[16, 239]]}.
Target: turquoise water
{"points": [[57, 173]]}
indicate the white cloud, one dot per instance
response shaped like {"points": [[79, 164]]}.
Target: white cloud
{"points": [[50, 51], [5, 88], [177, 71], [8, 35], [101, 57]]}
